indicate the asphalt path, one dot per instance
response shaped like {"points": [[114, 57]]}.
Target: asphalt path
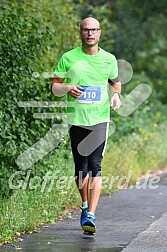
{"points": [[131, 220]]}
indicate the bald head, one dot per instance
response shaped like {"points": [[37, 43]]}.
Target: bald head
{"points": [[90, 22], [90, 34]]}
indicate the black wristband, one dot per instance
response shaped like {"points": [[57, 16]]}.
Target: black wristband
{"points": [[118, 94]]}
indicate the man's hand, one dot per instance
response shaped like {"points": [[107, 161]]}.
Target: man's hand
{"points": [[115, 102], [75, 91]]}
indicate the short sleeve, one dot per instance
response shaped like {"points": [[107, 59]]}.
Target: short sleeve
{"points": [[114, 69], [60, 69]]}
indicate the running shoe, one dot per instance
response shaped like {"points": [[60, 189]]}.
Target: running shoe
{"points": [[83, 215], [88, 223]]}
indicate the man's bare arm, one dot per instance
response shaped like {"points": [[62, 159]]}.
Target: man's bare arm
{"points": [[115, 99], [59, 89]]}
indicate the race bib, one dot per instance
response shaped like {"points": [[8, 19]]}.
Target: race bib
{"points": [[91, 95]]}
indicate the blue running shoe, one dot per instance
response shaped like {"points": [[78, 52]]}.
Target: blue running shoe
{"points": [[83, 215], [89, 223]]}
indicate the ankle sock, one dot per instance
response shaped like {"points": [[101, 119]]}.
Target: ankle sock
{"points": [[91, 213], [84, 204]]}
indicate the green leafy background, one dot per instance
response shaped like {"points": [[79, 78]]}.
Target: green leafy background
{"points": [[33, 36]]}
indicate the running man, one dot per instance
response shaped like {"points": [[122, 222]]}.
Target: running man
{"points": [[83, 74]]}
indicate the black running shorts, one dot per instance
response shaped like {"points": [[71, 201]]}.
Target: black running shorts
{"points": [[88, 144]]}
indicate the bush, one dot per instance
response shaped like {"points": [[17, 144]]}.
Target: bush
{"points": [[30, 31]]}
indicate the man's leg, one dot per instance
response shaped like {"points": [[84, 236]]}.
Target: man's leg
{"points": [[89, 189], [94, 190], [82, 184], [95, 181], [77, 134], [94, 165]]}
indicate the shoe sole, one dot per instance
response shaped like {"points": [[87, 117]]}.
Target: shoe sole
{"points": [[88, 233], [89, 228]]}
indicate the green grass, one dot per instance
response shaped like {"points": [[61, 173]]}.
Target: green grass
{"points": [[27, 208], [25, 211], [35, 203], [134, 156]]}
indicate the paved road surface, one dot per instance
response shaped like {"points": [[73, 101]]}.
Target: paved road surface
{"points": [[131, 220]]}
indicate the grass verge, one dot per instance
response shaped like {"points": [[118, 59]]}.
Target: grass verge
{"points": [[133, 156]]}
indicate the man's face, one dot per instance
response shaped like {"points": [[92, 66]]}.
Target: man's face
{"points": [[90, 32]]}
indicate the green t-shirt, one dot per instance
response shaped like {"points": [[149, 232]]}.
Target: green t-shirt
{"points": [[92, 73]]}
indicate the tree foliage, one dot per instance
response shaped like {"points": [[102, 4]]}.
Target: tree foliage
{"points": [[140, 37], [32, 39]]}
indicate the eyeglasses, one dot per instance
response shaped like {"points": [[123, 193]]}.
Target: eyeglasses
{"points": [[93, 30]]}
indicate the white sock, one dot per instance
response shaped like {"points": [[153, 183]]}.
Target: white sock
{"points": [[91, 213], [84, 204]]}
